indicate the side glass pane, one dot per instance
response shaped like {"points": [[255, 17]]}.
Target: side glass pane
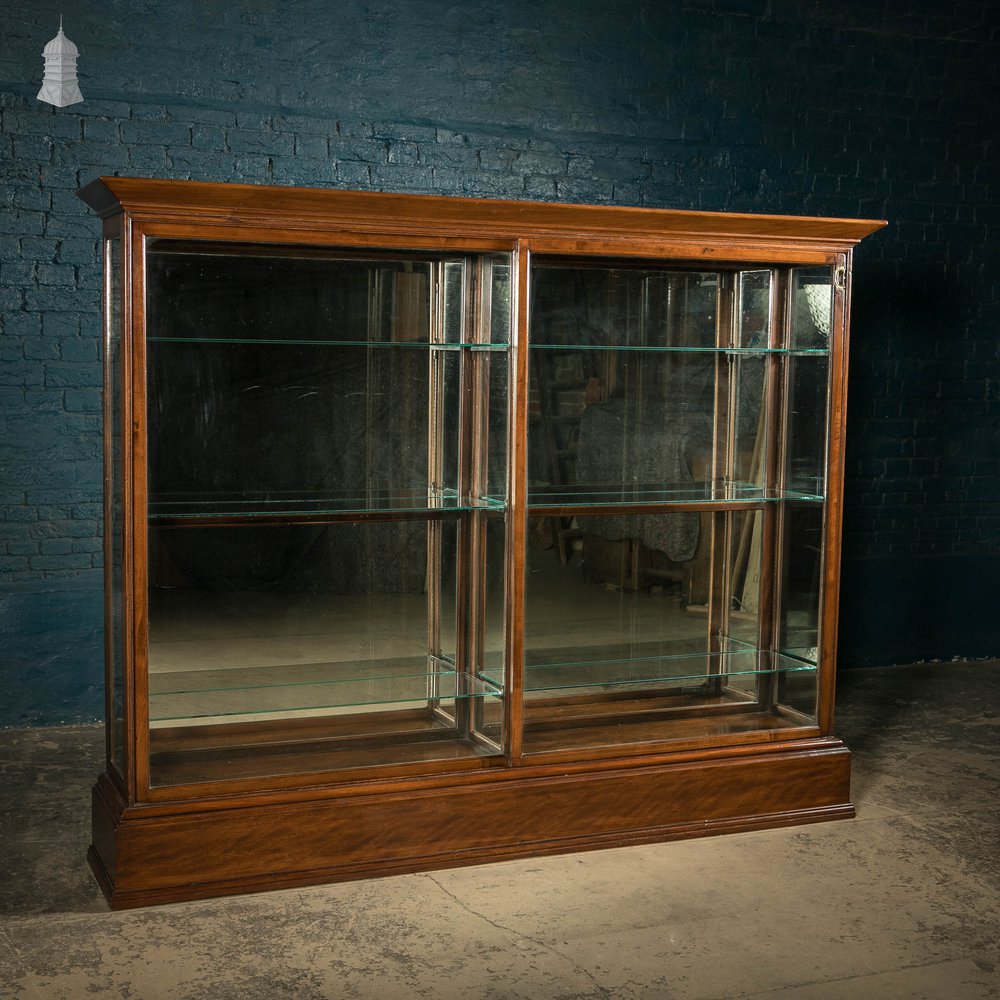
{"points": [[744, 575], [113, 518]]}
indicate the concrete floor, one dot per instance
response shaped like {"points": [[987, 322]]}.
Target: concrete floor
{"points": [[902, 902]]}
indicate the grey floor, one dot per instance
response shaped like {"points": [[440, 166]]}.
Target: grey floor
{"points": [[902, 902]]}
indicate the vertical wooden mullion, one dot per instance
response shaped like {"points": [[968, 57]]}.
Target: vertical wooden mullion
{"points": [[721, 473], [517, 499], [468, 569], [435, 448], [481, 295], [772, 528], [834, 490]]}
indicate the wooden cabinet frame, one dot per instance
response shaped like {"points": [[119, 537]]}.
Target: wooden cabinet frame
{"points": [[536, 789]]}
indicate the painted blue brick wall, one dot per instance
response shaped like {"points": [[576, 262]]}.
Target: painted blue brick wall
{"points": [[881, 108]]}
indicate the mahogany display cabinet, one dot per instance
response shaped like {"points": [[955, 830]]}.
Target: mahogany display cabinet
{"points": [[441, 531]]}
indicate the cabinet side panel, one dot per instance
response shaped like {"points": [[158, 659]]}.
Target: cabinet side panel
{"points": [[114, 430]]}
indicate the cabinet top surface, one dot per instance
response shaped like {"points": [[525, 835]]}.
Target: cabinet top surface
{"points": [[388, 212]]}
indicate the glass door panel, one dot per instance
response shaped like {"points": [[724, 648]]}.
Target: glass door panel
{"points": [[655, 484], [313, 508]]}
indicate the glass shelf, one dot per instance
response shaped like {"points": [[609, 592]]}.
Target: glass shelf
{"points": [[321, 342], [658, 494], [208, 507], [167, 507], [753, 352], [622, 668], [190, 696]]}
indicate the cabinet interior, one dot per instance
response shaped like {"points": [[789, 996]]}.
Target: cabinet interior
{"points": [[332, 450]]}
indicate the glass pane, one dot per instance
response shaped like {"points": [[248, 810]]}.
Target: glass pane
{"points": [[498, 287], [678, 310], [280, 429], [282, 383], [490, 652], [744, 574], [114, 521], [496, 371], [206, 291], [799, 610], [623, 642], [620, 600], [749, 374], [296, 648], [741, 628], [800, 599], [753, 316], [617, 423], [289, 390], [453, 305], [811, 308], [487, 618], [808, 392], [750, 420], [622, 307]]}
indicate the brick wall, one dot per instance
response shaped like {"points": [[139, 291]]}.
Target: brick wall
{"points": [[878, 109]]}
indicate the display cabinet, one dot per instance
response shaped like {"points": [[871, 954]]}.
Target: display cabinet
{"points": [[441, 531]]}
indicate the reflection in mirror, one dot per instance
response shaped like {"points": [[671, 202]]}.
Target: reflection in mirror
{"points": [[283, 632], [628, 597], [622, 306], [753, 317], [799, 606], [627, 639], [800, 594], [808, 395], [611, 413], [280, 381], [811, 307], [241, 618]]}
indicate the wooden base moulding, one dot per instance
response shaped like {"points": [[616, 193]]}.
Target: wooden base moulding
{"points": [[146, 854]]}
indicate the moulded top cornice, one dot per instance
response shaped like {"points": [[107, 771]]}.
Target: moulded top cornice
{"points": [[456, 216]]}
